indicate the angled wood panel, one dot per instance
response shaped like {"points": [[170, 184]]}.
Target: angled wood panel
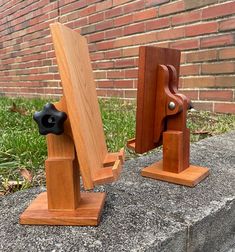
{"points": [[81, 99]]}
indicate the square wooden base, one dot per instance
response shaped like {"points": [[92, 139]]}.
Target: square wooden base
{"points": [[189, 177], [87, 214]]}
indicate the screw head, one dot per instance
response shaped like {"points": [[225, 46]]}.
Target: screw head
{"points": [[171, 105]]}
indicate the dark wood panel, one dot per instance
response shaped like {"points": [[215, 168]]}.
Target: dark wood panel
{"points": [[149, 59]]}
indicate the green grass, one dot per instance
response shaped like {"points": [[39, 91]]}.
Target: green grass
{"points": [[21, 146]]}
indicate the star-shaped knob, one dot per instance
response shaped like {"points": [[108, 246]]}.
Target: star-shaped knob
{"points": [[50, 120]]}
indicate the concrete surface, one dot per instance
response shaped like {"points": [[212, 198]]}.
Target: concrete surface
{"points": [[142, 214]]}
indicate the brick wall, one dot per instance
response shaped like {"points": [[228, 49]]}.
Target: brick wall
{"points": [[203, 29]]}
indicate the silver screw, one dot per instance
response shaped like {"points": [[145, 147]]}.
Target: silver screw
{"points": [[171, 105]]}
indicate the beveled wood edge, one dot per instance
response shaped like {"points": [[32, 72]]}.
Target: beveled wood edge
{"points": [[155, 171], [64, 217], [131, 144], [108, 174]]}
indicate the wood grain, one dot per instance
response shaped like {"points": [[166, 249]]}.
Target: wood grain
{"points": [[149, 59], [189, 177], [86, 214], [82, 104]]}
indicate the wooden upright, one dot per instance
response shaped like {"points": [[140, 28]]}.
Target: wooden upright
{"points": [[80, 150], [161, 118]]}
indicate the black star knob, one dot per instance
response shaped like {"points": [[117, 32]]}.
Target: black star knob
{"points": [[50, 120]]}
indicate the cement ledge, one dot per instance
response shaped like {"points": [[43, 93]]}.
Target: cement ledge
{"points": [[142, 214]]}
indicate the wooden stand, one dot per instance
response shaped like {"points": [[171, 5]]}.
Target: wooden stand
{"points": [[161, 118], [80, 150]]}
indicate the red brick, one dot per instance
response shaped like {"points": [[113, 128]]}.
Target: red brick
{"points": [[87, 11], [201, 29], [136, 28], [73, 6], [120, 2], [220, 40], [225, 81], [130, 93], [104, 25], [96, 18], [115, 93], [113, 54], [158, 24], [144, 38], [105, 45], [191, 94], [131, 73], [92, 47], [97, 56], [217, 68], [201, 56], [123, 83], [122, 42], [192, 4], [170, 34], [186, 17], [104, 84], [131, 7], [228, 24], [116, 74], [150, 3], [227, 53], [216, 95], [145, 14], [133, 51], [162, 44], [123, 63], [101, 92], [114, 33], [90, 1], [189, 70], [104, 5], [218, 10], [104, 65], [100, 75], [114, 12], [183, 58], [171, 8], [96, 37], [207, 106], [196, 82], [185, 44], [224, 108], [123, 20]]}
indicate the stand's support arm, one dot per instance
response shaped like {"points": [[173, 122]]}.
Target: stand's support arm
{"points": [[62, 169]]}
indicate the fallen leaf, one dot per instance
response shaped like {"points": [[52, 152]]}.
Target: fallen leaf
{"points": [[26, 174], [15, 109]]}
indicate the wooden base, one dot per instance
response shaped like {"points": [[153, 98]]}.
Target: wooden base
{"points": [[189, 177], [87, 214]]}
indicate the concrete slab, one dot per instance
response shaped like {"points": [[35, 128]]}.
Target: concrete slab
{"points": [[142, 214]]}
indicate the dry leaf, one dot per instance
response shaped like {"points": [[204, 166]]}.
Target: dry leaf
{"points": [[26, 174], [15, 109]]}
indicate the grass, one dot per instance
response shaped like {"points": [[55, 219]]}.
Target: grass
{"points": [[23, 150]]}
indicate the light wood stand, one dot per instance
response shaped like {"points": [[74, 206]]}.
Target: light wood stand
{"points": [[80, 150], [161, 118]]}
